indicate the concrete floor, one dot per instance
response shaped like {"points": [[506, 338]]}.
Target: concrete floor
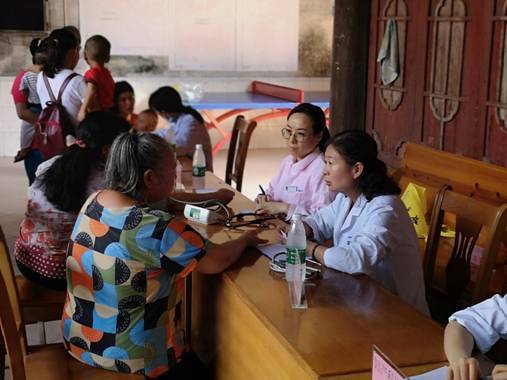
{"points": [[261, 166]]}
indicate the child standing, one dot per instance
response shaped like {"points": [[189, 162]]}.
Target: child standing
{"points": [[100, 83], [28, 86]]}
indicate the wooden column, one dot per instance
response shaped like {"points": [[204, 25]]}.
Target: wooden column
{"points": [[350, 64]]}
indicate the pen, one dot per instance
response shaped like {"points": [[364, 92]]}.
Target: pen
{"points": [[262, 190]]}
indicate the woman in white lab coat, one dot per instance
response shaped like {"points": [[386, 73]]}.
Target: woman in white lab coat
{"points": [[368, 224], [481, 325]]}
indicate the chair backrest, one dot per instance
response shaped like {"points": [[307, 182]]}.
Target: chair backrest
{"points": [[238, 149], [13, 332], [9, 277], [466, 175], [471, 216]]}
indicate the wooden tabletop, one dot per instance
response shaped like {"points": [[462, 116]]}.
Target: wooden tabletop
{"points": [[346, 316]]}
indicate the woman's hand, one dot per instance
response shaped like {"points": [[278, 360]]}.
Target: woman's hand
{"points": [[465, 369], [251, 238], [224, 195], [499, 372], [261, 199], [282, 235], [273, 208]]}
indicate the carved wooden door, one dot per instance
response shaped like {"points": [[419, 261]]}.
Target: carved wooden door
{"points": [[451, 93]]}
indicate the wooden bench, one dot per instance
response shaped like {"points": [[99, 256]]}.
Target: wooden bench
{"points": [[467, 176], [434, 170]]}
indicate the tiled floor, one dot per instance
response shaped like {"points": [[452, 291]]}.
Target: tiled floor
{"points": [[261, 166]]}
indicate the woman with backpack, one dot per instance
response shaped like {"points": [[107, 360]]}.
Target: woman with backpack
{"points": [[60, 91]]}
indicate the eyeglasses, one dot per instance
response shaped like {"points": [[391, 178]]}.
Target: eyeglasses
{"points": [[287, 134]]}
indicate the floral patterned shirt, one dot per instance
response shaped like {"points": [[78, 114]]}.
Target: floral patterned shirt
{"points": [[125, 281]]}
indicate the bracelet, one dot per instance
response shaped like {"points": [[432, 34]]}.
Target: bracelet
{"points": [[313, 252]]}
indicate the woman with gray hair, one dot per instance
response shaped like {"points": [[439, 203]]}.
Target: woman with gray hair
{"points": [[126, 264]]}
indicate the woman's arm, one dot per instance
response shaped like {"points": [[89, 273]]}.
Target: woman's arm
{"points": [[458, 342], [458, 346], [88, 101], [25, 114], [220, 256]]}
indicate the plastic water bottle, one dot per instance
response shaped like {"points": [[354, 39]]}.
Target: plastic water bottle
{"points": [[295, 267], [179, 169], [198, 167]]}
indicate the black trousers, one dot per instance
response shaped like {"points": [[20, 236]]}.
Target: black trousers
{"points": [[47, 282]]}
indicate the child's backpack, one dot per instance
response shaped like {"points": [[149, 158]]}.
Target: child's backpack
{"points": [[53, 123]]}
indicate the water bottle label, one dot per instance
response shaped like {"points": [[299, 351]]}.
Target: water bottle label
{"points": [[198, 171], [292, 254]]}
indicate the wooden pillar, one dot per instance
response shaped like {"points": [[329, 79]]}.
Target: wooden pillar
{"points": [[350, 64]]}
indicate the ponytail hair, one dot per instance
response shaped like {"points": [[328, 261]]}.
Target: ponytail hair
{"points": [[65, 182], [318, 118], [167, 99], [55, 48], [38, 54], [132, 154], [357, 146]]}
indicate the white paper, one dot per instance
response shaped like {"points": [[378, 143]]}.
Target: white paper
{"points": [[436, 374], [271, 250], [205, 191]]}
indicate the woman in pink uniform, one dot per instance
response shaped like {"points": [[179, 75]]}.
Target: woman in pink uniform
{"points": [[299, 186]]}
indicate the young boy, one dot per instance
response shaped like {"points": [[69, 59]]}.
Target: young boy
{"points": [[99, 94]]}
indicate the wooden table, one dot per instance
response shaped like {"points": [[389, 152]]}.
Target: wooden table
{"points": [[244, 326]]}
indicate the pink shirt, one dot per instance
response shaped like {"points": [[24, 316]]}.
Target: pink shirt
{"points": [[301, 184]]}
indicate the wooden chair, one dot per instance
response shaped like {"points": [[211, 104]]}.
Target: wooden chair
{"points": [[457, 290], [37, 304], [48, 362], [238, 149]]}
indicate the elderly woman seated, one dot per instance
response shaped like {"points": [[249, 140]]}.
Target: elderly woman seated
{"points": [[126, 264]]}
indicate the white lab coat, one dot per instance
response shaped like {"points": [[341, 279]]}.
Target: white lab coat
{"points": [[376, 238], [486, 321]]}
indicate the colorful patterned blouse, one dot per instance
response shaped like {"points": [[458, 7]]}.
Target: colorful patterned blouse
{"points": [[125, 271]]}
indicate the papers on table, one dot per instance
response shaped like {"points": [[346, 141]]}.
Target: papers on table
{"points": [[384, 369], [436, 374], [271, 250], [205, 191]]}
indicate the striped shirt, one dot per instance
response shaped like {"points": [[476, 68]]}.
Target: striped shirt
{"points": [[29, 85]]}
